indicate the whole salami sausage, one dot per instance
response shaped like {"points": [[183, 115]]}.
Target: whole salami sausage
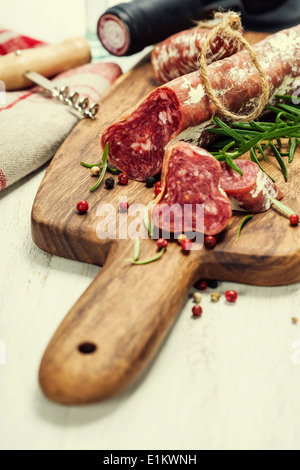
{"points": [[250, 192], [178, 55], [190, 178], [181, 110]]}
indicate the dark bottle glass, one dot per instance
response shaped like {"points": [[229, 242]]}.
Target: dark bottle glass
{"points": [[127, 28]]}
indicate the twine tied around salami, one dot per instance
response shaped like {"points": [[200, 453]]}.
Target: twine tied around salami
{"points": [[229, 24]]}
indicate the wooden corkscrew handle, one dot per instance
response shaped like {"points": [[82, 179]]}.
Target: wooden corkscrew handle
{"points": [[46, 60]]}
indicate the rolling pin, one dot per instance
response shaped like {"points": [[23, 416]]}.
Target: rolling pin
{"points": [[45, 60]]}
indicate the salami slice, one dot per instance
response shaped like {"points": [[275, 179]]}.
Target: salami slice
{"points": [[190, 179], [250, 192], [180, 110], [178, 54]]}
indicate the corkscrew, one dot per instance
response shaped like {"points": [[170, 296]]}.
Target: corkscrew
{"points": [[65, 96]]}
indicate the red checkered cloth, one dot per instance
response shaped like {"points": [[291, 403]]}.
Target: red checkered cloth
{"points": [[34, 125], [11, 41]]}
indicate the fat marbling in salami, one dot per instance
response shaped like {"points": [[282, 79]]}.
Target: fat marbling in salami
{"points": [[190, 179]]}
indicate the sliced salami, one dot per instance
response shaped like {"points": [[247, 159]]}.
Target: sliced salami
{"points": [[181, 109], [250, 192], [178, 54], [190, 179]]}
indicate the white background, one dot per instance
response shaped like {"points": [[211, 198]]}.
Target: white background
{"points": [[229, 380]]}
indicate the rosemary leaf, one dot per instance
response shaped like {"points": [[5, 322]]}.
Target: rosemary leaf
{"points": [[105, 153], [284, 97], [226, 147], [282, 207], [99, 181], [280, 112], [147, 223], [254, 158], [261, 151], [292, 150], [137, 249], [271, 134], [280, 160], [147, 261], [256, 126], [232, 165], [228, 130], [290, 108], [114, 171], [247, 133], [90, 165], [266, 146], [244, 221]]}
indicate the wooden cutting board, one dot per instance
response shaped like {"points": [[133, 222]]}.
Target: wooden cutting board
{"points": [[115, 328]]}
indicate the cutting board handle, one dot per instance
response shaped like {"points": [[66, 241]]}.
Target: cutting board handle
{"points": [[115, 328]]}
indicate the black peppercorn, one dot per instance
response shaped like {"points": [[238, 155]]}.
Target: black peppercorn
{"points": [[109, 183], [150, 181], [212, 284]]}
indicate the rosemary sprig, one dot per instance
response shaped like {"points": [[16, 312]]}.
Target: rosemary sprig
{"points": [[137, 249], [257, 136], [105, 167], [244, 221]]}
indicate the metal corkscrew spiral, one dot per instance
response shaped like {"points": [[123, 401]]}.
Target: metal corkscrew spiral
{"points": [[65, 96]]}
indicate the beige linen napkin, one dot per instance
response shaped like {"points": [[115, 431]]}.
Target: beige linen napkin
{"points": [[33, 125]]}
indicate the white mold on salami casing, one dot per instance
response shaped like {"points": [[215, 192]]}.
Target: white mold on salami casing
{"points": [[195, 94], [222, 191], [236, 205], [264, 185], [250, 192], [288, 86], [193, 134]]}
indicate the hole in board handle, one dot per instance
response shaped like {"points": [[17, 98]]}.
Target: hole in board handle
{"points": [[87, 348]]}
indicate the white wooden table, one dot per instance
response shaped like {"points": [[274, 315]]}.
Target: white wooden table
{"points": [[229, 380]]}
